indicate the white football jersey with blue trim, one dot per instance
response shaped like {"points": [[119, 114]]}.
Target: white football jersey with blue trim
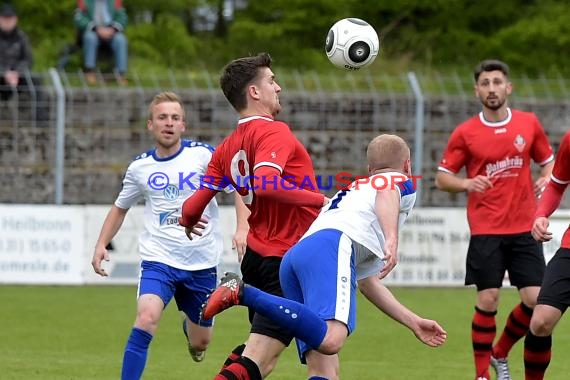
{"points": [[164, 184], [352, 212]]}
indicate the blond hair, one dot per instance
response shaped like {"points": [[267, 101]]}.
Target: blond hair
{"points": [[165, 97], [387, 152]]}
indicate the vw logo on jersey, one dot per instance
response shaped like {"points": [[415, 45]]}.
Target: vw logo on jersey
{"points": [[171, 193]]}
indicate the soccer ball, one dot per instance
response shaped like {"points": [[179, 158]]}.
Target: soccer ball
{"points": [[352, 43]]}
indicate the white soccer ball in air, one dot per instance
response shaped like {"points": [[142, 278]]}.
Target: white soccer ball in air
{"points": [[352, 43]]}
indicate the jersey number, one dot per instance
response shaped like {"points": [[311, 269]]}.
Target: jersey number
{"points": [[336, 200], [241, 179]]}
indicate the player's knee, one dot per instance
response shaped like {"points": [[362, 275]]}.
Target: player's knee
{"points": [[541, 325], [148, 321], [529, 295], [488, 299], [332, 344], [330, 347]]}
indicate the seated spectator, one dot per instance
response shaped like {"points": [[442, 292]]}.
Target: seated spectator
{"points": [[16, 61], [102, 22]]}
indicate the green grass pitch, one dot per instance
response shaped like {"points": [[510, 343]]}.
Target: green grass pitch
{"points": [[65, 333]]}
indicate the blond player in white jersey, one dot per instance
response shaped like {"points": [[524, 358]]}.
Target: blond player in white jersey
{"points": [[353, 240], [172, 265]]}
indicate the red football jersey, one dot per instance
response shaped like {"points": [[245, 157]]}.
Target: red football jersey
{"points": [[258, 141], [561, 175], [501, 151]]}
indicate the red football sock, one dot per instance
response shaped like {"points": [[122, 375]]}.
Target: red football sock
{"points": [[537, 354], [232, 372], [242, 369], [483, 330], [236, 353], [515, 328]]}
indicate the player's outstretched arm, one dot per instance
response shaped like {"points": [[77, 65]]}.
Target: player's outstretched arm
{"points": [[111, 226], [427, 331], [239, 240], [268, 183], [387, 209], [192, 210]]}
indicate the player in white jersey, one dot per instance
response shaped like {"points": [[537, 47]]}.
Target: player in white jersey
{"points": [[353, 240], [172, 265], [353, 211]]}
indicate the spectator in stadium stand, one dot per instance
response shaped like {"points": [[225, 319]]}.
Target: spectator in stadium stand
{"points": [[283, 203], [553, 299], [496, 148], [16, 61], [354, 240], [172, 266], [102, 22]]}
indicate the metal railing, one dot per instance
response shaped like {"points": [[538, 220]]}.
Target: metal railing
{"points": [[65, 141]]}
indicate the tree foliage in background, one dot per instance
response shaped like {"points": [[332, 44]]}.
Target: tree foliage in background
{"points": [[533, 36]]}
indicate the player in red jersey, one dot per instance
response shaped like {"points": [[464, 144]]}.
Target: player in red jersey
{"points": [[554, 296], [274, 173], [496, 148]]}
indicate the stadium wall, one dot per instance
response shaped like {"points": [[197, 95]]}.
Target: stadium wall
{"points": [[105, 128], [48, 244]]}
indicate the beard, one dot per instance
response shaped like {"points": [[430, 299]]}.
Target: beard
{"points": [[494, 104]]}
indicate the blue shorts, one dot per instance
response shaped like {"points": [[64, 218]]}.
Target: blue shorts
{"points": [[319, 272], [189, 288]]}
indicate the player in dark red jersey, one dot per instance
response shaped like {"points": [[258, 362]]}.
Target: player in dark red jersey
{"points": [[554, 296], [496, 148], [274, 173]]}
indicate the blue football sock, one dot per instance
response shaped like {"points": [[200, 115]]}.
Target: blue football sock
{"points": [[136, 351], [292, 315], [317, 378]]}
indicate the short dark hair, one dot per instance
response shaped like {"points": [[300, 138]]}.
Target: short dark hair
{"points": [[7, 10], [490, 65], [238, 74]]}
